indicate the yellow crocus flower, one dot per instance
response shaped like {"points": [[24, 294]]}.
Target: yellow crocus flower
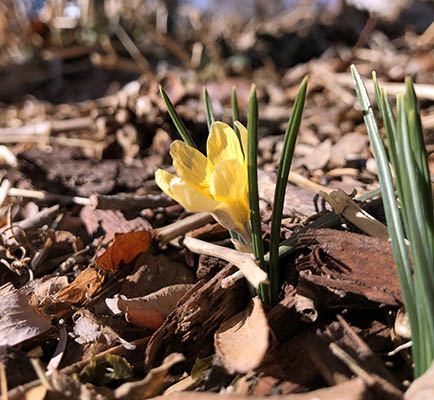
{"points": [[216, 183]]}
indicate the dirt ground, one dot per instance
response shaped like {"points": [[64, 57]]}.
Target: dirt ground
{"points": [[112, 290]]}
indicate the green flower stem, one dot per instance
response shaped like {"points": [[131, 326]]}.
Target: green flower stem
{"points": [[252, 171]]}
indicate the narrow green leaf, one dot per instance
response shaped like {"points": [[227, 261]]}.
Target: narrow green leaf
{"points": [[176, 119], [418, 233], [252, 170], [235, 113], [281, 183], [391, 209], [208, 109]]}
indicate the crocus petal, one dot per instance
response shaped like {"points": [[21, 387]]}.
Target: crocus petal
{"points": [[229, 181], [191, 165], [183, 193], [243, 134], [234, 217], [223, 144]]}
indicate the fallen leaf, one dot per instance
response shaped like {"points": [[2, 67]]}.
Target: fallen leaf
{"points": [[87, 283], [125, 248], [154, 273], [88, 329], [19, 321], [422, 388], [80, 290], [149, 311], [242, 341]]}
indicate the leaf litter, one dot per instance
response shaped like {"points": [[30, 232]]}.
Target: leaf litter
{"points": [[82, 217]]}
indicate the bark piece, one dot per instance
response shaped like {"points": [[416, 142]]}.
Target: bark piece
{"points": [[352, 390], [191, 326], [241, 341], [109, 222], [298, 201], [350, 264]]}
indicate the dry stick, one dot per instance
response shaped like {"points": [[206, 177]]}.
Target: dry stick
{"points": [[3, 382], [131, 47], [8, 233], [129, 202], [41, 218], [8, 157], [62, 141], [307, 184], [344, 205], [42, 253], [371, 379], [164, 40], [48, 127], [108, 62], [423, 91], [4, 189], [41, 195], [245, 262], [178, 228]]}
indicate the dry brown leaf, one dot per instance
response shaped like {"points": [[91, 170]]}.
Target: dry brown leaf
{"points": [[19, 321], [242, 341], [36, 393], [154, 273], [125, 248], [81, 288], [423, 387], [150, 311]]}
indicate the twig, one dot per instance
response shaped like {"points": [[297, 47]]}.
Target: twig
{"points": [[48, 127], [130, 47], [41, 195], [245, 262], [371, 379], [41, 254], [4, 189], [307, 184], [18, 392], [3, 382], [129, 202], [178, 228], [343, 204], [172, 45]]}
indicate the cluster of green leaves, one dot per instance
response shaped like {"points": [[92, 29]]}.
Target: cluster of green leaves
{"points": [[269, 294], [414, 219]]}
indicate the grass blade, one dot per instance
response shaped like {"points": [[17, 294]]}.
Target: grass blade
{"points": [[418, 234], [282, 181], [252, 170], [235, 112], [208, 109], [391, 209], [176, 119]]}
